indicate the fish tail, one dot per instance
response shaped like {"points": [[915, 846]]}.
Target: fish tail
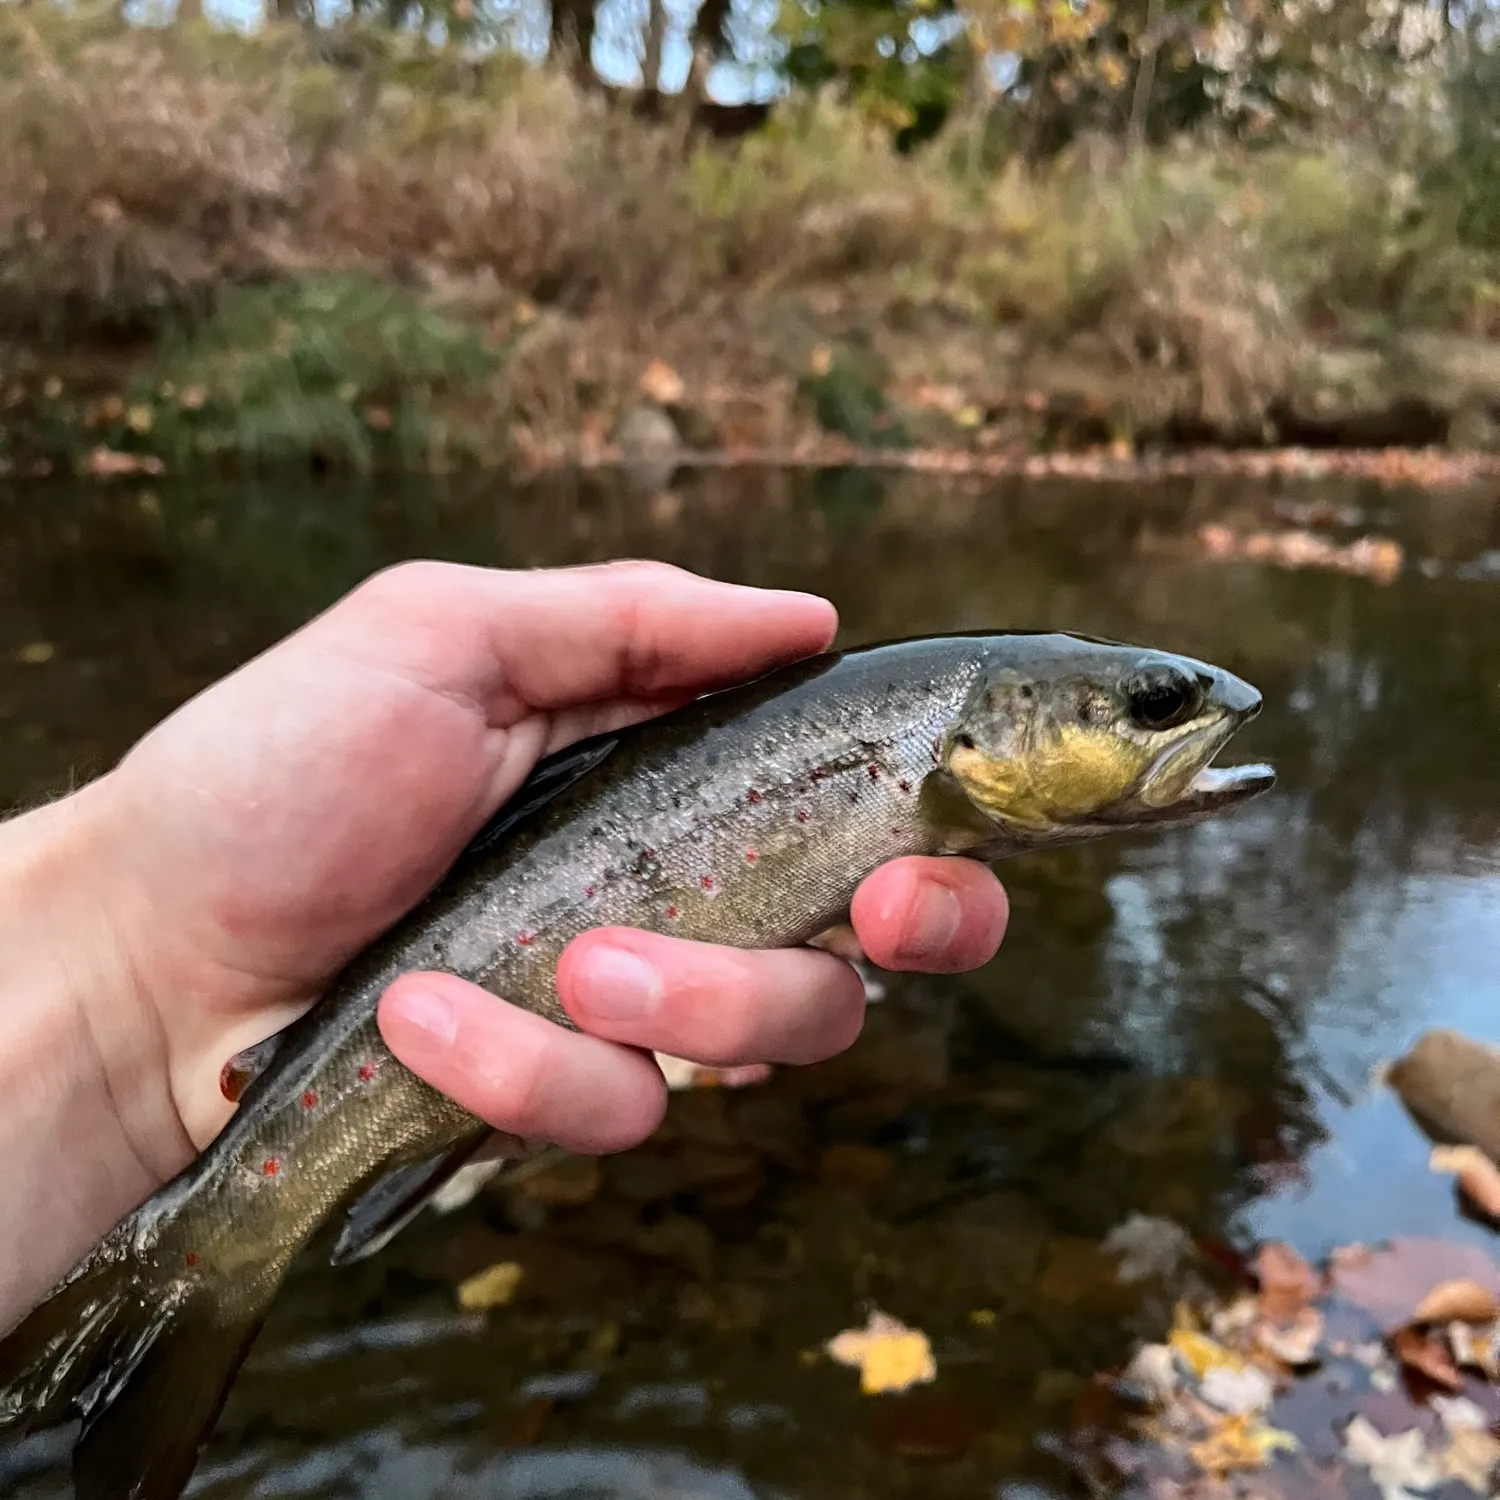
{"points": [[142, 1346]]}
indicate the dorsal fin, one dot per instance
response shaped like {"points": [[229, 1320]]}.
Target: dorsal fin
{"points": [[548, 779]]}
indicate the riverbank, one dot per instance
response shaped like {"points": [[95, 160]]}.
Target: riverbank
{"points": [[221, 252]]}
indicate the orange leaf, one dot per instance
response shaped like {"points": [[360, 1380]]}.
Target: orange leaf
{"points": [[1458, 1301], [1420, 1352], [1287, 1282]]}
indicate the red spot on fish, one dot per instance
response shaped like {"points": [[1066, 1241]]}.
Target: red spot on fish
{"points": [[526, 937], [366, 1072], [271, 1167], [672, 912], [753, 797], [874, 771], [803, 815], [751, 856], [648, 853], [310, 1099], [231, 1082], [589, 890], [191, 1259], [706, 881], [904, 785]]}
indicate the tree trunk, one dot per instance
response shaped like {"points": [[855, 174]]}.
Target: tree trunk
{"points": [[656, 35], [1145, 78], [573, 36]]}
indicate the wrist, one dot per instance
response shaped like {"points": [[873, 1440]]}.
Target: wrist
{"points": [[87, 1126]]}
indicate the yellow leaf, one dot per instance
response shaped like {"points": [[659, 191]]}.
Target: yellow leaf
{"points": [[492, 1288], [889, 1355], [138, 419], [1242, 1442], [36, 653], [1201, 1353], [983, 1317]]}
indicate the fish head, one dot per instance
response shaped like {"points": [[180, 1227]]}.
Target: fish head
{"points": [[1063, 737]]}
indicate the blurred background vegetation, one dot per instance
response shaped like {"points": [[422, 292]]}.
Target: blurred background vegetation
{"points": [[388, 234]]}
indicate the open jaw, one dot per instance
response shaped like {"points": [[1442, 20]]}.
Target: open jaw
{"points": [[1212, 790]]}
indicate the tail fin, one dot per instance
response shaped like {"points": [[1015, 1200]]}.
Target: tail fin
{"points": [[144, 1356]]}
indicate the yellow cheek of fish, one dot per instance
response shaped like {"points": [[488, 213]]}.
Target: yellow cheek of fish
{"points": [[1076, 774]]}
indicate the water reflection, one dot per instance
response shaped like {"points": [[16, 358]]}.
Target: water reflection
{"points": [[1179, 1026]]}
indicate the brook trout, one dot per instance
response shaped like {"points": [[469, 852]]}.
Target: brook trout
{"points": [[748, 817]]}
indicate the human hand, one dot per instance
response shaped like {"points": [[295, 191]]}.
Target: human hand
{"points": [[254, 841]]}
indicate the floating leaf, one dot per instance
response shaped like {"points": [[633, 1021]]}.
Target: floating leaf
{"points": [[36, 653], [1472, 1456], [889, 1355], [1476, 1348], [1390, 1283], [1295, 1343], [1478, 1177], [1241, 1442], [1399, 1466], [1287, 1283], [492, 1288], [1239, 1392], [1458, 1301], [1421, 1352]]}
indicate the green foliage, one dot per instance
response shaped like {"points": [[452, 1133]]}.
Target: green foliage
{"points": [[338, 370], [846, 389]]}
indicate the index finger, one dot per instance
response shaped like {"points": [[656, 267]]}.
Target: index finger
{"points": [[555, 638]]}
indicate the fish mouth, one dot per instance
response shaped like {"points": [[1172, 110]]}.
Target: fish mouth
{"points": [[1212, 789]]}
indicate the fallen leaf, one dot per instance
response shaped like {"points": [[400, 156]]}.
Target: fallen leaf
{"points": [[1476, 1348], [1472, 1456], [1239, 1392], [662, 384], [1147, 1247], [1390, 1283], [1421, 1352], [1296, 1343], [1153, 1369], [1240, 1443], [36, 653], [1458, 1301], [1287, 1283], [1478, 1177], [1398, 1465], [379, 417], [889, 1355], [1457, 1413], [492, 1288], [1201, 1353]]}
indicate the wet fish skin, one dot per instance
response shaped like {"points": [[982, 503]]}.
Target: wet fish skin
{"points": [[748, 818]]}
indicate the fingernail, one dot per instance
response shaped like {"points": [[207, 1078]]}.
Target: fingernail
{"points": [[617, 985], [430, 1013], [933, 925]]}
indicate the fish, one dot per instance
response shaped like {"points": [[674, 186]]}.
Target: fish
{"points": [[747, 817]]}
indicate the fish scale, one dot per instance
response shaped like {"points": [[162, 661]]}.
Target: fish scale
{"points": [[748, 818]]}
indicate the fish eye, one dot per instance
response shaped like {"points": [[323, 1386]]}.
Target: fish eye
{"points": [[1163, 702]]}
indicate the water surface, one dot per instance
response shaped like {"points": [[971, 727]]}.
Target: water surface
{"points": [[1180, 1026]]}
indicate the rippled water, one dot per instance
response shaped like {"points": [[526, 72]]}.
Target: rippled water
{"points": [[1181, 1026]]}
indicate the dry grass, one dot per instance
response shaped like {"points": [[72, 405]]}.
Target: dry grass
{"points": [[146, 172]]}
